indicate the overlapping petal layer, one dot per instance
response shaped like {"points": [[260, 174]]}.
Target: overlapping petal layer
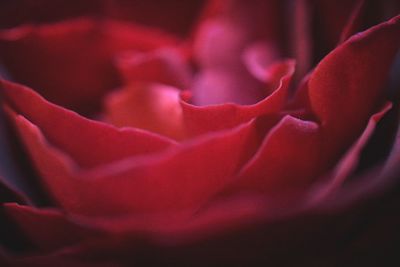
{"points": [[45, 57], [129, 194]]}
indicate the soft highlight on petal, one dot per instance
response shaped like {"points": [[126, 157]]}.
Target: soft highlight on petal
{"points": [[89, 142]]}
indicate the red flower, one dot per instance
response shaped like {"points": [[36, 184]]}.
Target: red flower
{"points": [[240, 141]]}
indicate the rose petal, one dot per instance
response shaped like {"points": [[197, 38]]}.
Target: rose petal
{"points": [[153, 107], [200, 120], [219, 43], [353, 24], [225, 31], [13, 13], [160, 108], [349, 161], [368, 13], [354, 77], [165, 66], [90, 143], [352, 229], [329, 21], [301, 37], [347, 86], [293, 143], [223, 78], [172, 15], [258, 57], [261, 19], [71, 62], [216, 87], [144, 184], [48, 229]]}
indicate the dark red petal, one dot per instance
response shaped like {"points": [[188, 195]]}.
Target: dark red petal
{"points": [[165, 66], [367, 13], [365, 227], [70, 63], [17, 182], [223, 215], [88, 142], [183, 177], [13, 13], [348, 85], [329, 20], [200, 120], [48, 229], [172, 15], [287, 159], [154, 107], [346, 166], [354, 21]]}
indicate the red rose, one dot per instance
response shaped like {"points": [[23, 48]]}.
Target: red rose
{"points": [[222, 133]]}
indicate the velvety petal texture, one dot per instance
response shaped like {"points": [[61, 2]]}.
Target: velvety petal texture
{"points": [[142, 183], [199, 133], [202, 119], [358, 90]]}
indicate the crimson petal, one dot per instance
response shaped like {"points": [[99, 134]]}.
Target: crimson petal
{"points": [[71, 62], [144, 184], [293, 142], [203, 119], [48, 229], [90, 143], [346, 166], [347, 86]]}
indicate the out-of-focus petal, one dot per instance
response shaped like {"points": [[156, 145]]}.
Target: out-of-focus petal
{"points": [[224, 33], [367, 13], [203, 119], [14, 13], [260, 19], [354, 21], [47, 229], [258, 59], [164, 110], [9, 193], [154, 107], [70, 62], [173, 15], [167, 66], [330, 19]]}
